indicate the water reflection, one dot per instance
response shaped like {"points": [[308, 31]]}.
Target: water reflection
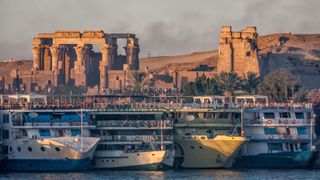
{"points": [[192, 174]]}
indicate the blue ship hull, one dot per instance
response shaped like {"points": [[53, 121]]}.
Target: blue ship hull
{"points": [[304, 159], [45, 165]]}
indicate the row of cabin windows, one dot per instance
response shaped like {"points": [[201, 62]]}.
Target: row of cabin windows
{"points": [[42, 133], [271, 115], [47, 133], [282, 130], [287, 146], [103, 147], [30, 149], [208, 115], [129, 116], [5, 149]]}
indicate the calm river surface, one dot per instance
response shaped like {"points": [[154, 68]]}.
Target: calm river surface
{"points": [[170, 174]]}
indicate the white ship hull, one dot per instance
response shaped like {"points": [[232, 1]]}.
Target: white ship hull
{"points": [[50, 154], [134, 160], [201, 152]]}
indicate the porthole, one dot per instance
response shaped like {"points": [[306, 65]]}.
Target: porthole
{"points": [[57, 149], [30, 149], [107, 160], [42, 148], [112, 160], [19, 148], [191, 147], [102, 160], [200, 147], [138, 154]]}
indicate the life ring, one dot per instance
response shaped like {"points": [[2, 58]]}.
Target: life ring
{"points": [[167, 106], [270, 137], [252, 121], [269, 121], [286, 121], [175, 106], [140, 105], [294, 121]]}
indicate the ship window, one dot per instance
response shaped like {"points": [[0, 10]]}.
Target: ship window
{"points": [[223, 115], [208, 115], [5, 134], [18, 148], [10, 149], [237, 115], [299, 115], [100, 147], [268, 131], [269, 115], [284, 115], [57, 149], [5, 118], [75, 132], [30, 149], [42, 148], [304, 146], [44, 133], [5, 149], [196, 115], [275, 147], [302, 130]]}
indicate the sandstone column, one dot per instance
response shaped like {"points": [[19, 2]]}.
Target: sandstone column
{"points": [[36, 57], [129, 52], [104, 65], [79, 67], [54, 56]]}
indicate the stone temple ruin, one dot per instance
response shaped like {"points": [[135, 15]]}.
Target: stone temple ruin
{"points": [[67, 57], [91, 59]]}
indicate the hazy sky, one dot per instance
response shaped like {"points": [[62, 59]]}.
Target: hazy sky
{"points": [[164, 27]]}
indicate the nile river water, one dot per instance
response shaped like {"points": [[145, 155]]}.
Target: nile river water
{"points": [[255, 174]]}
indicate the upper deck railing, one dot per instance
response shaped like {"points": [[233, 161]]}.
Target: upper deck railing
{"points": [[153, 106]]}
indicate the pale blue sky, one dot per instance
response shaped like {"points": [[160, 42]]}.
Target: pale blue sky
{"points": [[164, 27]]}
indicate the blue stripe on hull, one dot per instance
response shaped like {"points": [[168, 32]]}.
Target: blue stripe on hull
{"points": [[277, 160], [44, 165]]}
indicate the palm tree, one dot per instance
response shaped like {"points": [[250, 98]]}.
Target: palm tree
{"points": [[229, 82], [251, 82], [140, 83]]}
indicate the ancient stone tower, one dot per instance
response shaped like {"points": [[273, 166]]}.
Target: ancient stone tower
{"points": [[238, 51]]}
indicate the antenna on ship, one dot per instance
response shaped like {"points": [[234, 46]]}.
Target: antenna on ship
{"points": [[161, 134], [81, 130]]}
